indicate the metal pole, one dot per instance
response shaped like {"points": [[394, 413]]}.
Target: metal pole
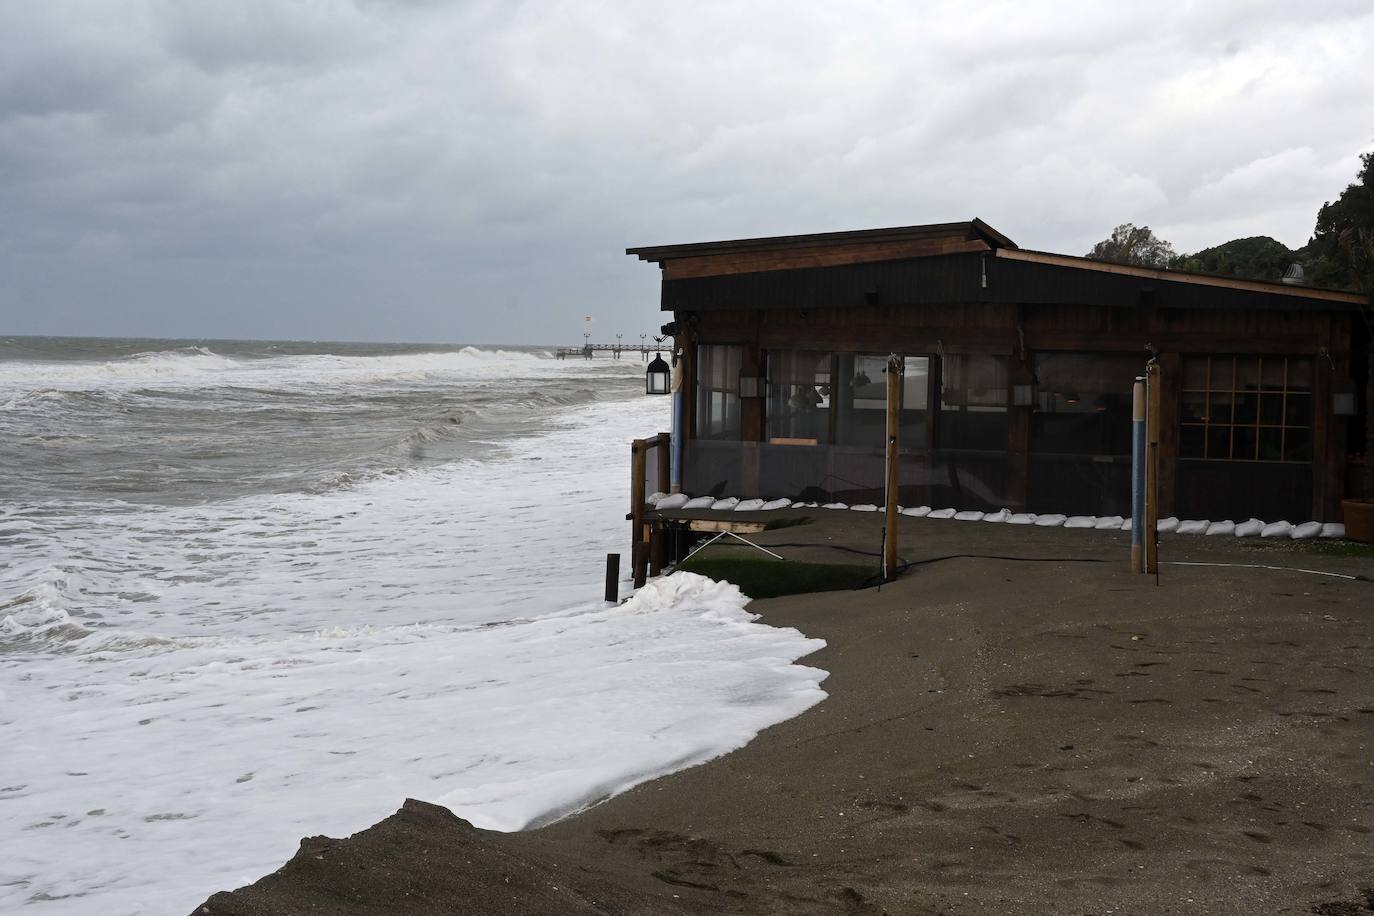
{"points": [[894, 420], [1138, 475], [1152, 408], [675, 471]]}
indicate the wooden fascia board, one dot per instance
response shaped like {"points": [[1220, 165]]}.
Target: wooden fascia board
{"points": [[834, 256], [1173, 276]]}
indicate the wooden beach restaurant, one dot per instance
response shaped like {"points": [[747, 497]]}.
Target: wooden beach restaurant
{"points": [[1016, 390]]}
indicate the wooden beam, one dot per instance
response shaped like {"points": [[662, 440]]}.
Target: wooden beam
{"points": [[718, 265]]}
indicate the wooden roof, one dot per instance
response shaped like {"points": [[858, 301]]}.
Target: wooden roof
{"points": [[973, 230], [928, 263]]}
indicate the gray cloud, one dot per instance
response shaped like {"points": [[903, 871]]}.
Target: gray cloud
{"points": [[472, 171]]}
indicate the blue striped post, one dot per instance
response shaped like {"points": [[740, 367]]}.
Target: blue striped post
{"points": [[1138, 476]]}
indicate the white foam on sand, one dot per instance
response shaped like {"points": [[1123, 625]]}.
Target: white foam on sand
{"points": [[190, 690]]}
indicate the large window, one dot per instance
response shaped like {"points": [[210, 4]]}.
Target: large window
{"points": [[973, 402], [799, 397], [861, 401], [718, 368], [1247, 408], [1084, 403]]}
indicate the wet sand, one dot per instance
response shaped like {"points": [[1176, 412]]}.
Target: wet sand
{"points": [[1017, 725]]}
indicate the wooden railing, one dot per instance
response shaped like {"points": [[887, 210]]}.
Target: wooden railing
{"points": [[645, 454]]}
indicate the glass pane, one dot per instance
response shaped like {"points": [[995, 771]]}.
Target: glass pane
{"points": [[1299, 412], [1243, 443], [1222, 373], [1299, 374], [718, 391], [1271, 409], [1194, 407], [1247, 408], [1219, 442], [1190, 443], [799, 395], [1084, 403], [1297, 445], [1271, 372], [1195, 373], [1220, 410], [1247, 373], [915, 383], [1271, 445]]}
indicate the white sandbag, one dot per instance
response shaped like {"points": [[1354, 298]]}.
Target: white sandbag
{"points": [[864, 507], [777, 504], [941, 513], [1165, 525], [1021, 518], [675, 501], [749, 505], [1109, 523], [1081, 521], [1126, 524], [1193, 526], [969, 515], [835, 506], [700, 502], [1276, 530], [1305, 530], [1053, 520], [1333, 530], [917, 511], [728, 502], [1001, 515], [654, 498], [1226, 527], [1249, 529]]}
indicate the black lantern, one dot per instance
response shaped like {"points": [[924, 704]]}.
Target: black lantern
{"points": [[658, 377]]}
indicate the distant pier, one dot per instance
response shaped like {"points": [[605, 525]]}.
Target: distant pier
{"points": [[590, 350]]}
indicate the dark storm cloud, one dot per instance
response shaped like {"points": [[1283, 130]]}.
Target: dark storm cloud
{"points": [[473, 171]]}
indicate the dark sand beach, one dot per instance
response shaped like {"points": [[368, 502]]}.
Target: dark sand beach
{"points": [[1017, 725]]}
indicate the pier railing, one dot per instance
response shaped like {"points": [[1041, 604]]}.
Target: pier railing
{"points": [[649, 474]]}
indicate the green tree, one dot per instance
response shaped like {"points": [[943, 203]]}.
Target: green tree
{"points": [[1131, 244], [1341, 252], [1255, 258]]}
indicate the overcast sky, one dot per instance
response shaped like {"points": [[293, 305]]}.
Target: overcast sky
{"points": [[473, 171]]}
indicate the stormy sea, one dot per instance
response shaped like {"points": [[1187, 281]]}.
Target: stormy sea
{"points": [[253, 591]]}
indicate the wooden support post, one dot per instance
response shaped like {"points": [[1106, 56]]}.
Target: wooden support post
{"points": [[613, 577], [1153, 395], [894, 420], [638, 472], [658, 549], [664, 454]]}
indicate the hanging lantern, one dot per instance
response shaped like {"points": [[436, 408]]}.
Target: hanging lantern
{"points": [[657, 377]]}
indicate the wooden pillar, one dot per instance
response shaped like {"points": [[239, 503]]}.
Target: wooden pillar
{"points": [[664, 454], [638, 470], [1328, 436]]}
